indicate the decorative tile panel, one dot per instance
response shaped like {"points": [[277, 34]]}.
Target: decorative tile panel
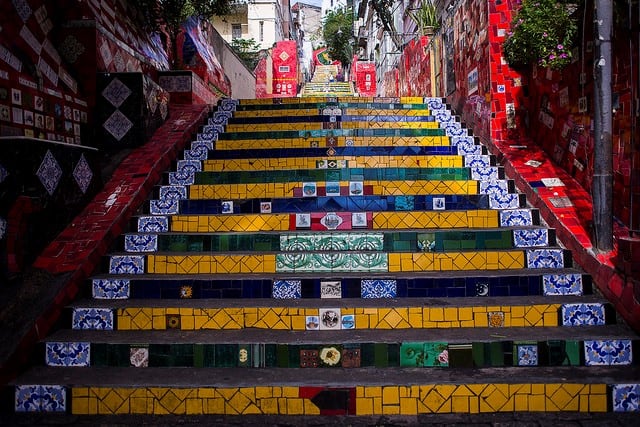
{"points": [[110, 288], [198, 151], [181, 178], [626, 397], [173, 192], [118, 125], [435, 104], [473, 161], [126, 264], [164, 207], [444, 116], [484, 173], [141, 242], [424, 354], [454, 129], [527, 354], [516, 217], [607, 352], [591, 314], [92, 318], [153, 224], [378, 288], [287, 289], [330, 319], [82, 174], [562, 284], [189, 166], [332, 242], [545, 258], [49, 172], [500, 187], [504, 201], [336, 262], [330, 289], [139, 357], [67, 354], [116, 92], [40, 398], [527, 238]]}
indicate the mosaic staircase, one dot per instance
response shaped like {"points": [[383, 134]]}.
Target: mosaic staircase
{"points": [[336, 256], [321, 84]]}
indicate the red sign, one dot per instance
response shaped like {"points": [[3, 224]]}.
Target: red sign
{"points": [[285, 69]]}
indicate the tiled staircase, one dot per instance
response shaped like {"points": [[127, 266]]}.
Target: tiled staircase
{"points": [[324, 256], [324, 83]]}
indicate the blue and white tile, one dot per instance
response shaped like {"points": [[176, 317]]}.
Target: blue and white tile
{"points": [[111, 288], [454, 129], [209, 134], [92, 318], [198, 151], [153, 224], [378, 288], [625, 397], [474, 161], [164, 207], [40, 398], [181, 178], [126, 264], [287, 289], [173, 192], [435, 104], [516, 217], [500, 187], [530, 237], [219, 118], [587, 314], [228, 104], [527, 354], [189, 166], [468, 149], [49, 172], [443, 116], [82, 174], [141, 242], [68, 354], [562, 284], [504, 201], [545, 258], [607, 352], [484, 173]]}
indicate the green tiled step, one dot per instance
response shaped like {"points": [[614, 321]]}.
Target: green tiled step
{"points": [[316, 106], [364, 391], [424, 240], [480, 347]]}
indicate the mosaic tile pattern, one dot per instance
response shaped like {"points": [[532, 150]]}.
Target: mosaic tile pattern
{"points": [[527, 354], [607, 352], [332, 242], [287, 289], [126, 264], [153, 224], [173, 192], [164, 207], [141, 242], [378, 288], [49, 173], [583, 314], [40, 398], [336, 262], [67, 353], [118, 125], [626, 397], [92, 318], [111, 288], [82, 174], [562, 284], [527, 238], [545, 258], [516, 217]]}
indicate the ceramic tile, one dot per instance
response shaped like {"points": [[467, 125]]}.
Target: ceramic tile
{"points": [[545, 258], [92, 318], [49, 172], [504, 201], [139, 356], [484, 173], [516, 217], [82, 174], [562, 284], [67, 353], [309, 358], [424, 354], [141, 242], [378, 288], [116, 92], [312, 323], [330, 319], [527, 354], [173, 192], [110, 288], [330, 289], [626, 397], [351, 357], [40, 398], [126, 264], [181, 178], [164, 207], [303, 220], [153, 224], [527, 238], [475, 161], [499, 187], [118, 125], [330, 356], [607, 352], [287, 289], [583, 314], [348, 321]]}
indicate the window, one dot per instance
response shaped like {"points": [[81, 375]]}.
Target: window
{"points": [[236, 31], [261, 33]]}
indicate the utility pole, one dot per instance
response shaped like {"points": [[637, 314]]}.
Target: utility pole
{"points": [[603, 129]]}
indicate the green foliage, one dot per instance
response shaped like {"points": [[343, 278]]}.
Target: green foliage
{"points": [[542, 32], [384, 9], [425, 16], [247, 50], [337, 27]]}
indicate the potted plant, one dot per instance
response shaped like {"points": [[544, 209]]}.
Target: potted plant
{"points": [[425, 17], [542, 32]]}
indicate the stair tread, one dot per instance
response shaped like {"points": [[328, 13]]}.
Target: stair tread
{"points": [[344, 302], [271, 336], [329, 377]]}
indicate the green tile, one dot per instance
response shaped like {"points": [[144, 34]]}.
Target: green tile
{"points": [[574, 352], [226, 355], [270, 355], [461, 356], [198, 356], [282, 351], [208, 355], [367, 354], [100, 354], [393, 354], [294, 356], [412, 354], [480, 353], [436, 354], [381, 352]]}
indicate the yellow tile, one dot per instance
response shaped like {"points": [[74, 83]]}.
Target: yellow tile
{"points": [[390, 410], [215, 406], [460, 404], [390, 395], [310, 408], [373, 391], [408, 406], [464, 313], [597, 403], [537, 403], [364, 406], [294, 406], [450, 314], [481, 320], [269, 406], [436, 314], [290, 392]]}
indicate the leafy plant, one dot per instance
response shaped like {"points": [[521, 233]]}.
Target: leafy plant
{"points": [[542, 32], [425, 16], [247, 50], [337, 27]]}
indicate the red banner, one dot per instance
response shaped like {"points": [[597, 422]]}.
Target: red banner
{"points": [[285, 69], [366, 78]]}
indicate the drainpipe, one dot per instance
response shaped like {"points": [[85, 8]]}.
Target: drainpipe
{"points": [[603, 129]]}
